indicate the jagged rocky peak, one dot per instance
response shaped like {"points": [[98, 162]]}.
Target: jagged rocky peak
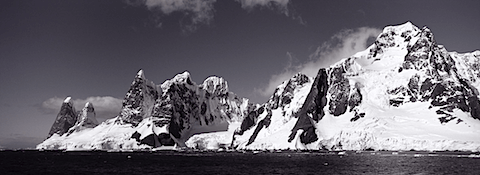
{"points": [[394, 38], [66, 118], [139, 100], [397, 36], [284, 93], [86, 119], [88, 116], [139, 75], [179, 79], [185, 108], [215, 85]]}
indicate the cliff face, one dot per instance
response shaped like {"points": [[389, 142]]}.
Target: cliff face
{"points": [[138, 102], [66, 118], [181, 110]]}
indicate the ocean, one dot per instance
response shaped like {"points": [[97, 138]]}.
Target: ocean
{"points": [[250, 163]]}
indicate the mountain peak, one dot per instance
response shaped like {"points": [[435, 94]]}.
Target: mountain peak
{"points": [[407, 26], [140, 74], [182, 78], [137, 102], [66, 118], [89, 106], [215, 85], [67, 100], [284, 93]]}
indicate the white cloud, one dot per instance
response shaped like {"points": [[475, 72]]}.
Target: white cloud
{"points": [[341, 45], [199, 12], [105, 107], [281, 6], [196, 11]]}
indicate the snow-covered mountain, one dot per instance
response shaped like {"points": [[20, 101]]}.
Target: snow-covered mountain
{"points": [[157, 115], [403, 92]]}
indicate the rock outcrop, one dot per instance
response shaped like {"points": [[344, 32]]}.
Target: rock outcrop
{"points": [[139, 100], [66, 118]]}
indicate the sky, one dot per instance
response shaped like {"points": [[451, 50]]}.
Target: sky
{"points": [[92, 49]]}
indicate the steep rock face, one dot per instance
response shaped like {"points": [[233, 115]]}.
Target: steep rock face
{"points": [[185, 109], [86, 119], [277, 114], [312, 109], [66, 118], [436, 76], [283, 94], [139, 100]]}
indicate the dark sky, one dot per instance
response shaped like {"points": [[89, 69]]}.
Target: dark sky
{"points": [[92, 49]]}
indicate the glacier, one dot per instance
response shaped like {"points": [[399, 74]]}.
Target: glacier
{"points": [[404, 92]]}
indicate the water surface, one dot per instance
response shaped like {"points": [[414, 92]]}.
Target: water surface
{"points": [[172, 162]]}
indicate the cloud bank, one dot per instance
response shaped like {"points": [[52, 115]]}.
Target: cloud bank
{"points": [[201, 12], [105, 107], [341, 45]]}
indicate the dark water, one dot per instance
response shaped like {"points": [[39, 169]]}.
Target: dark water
{"points": [[169, 162]]}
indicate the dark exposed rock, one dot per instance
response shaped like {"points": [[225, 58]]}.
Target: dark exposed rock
{"points": [[312, 109], [150, 140], [316, 98], [249, 121], [203, 108], [339, 98], [138, 102], [474, 107], [308, 135], [304, 122], [264, 122], [357, 116], [283, 95], [355, 98], [66, 118], [165, 139], [339, 90]]}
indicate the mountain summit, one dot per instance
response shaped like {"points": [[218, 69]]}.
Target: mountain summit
{"points": [[403, 92]]}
